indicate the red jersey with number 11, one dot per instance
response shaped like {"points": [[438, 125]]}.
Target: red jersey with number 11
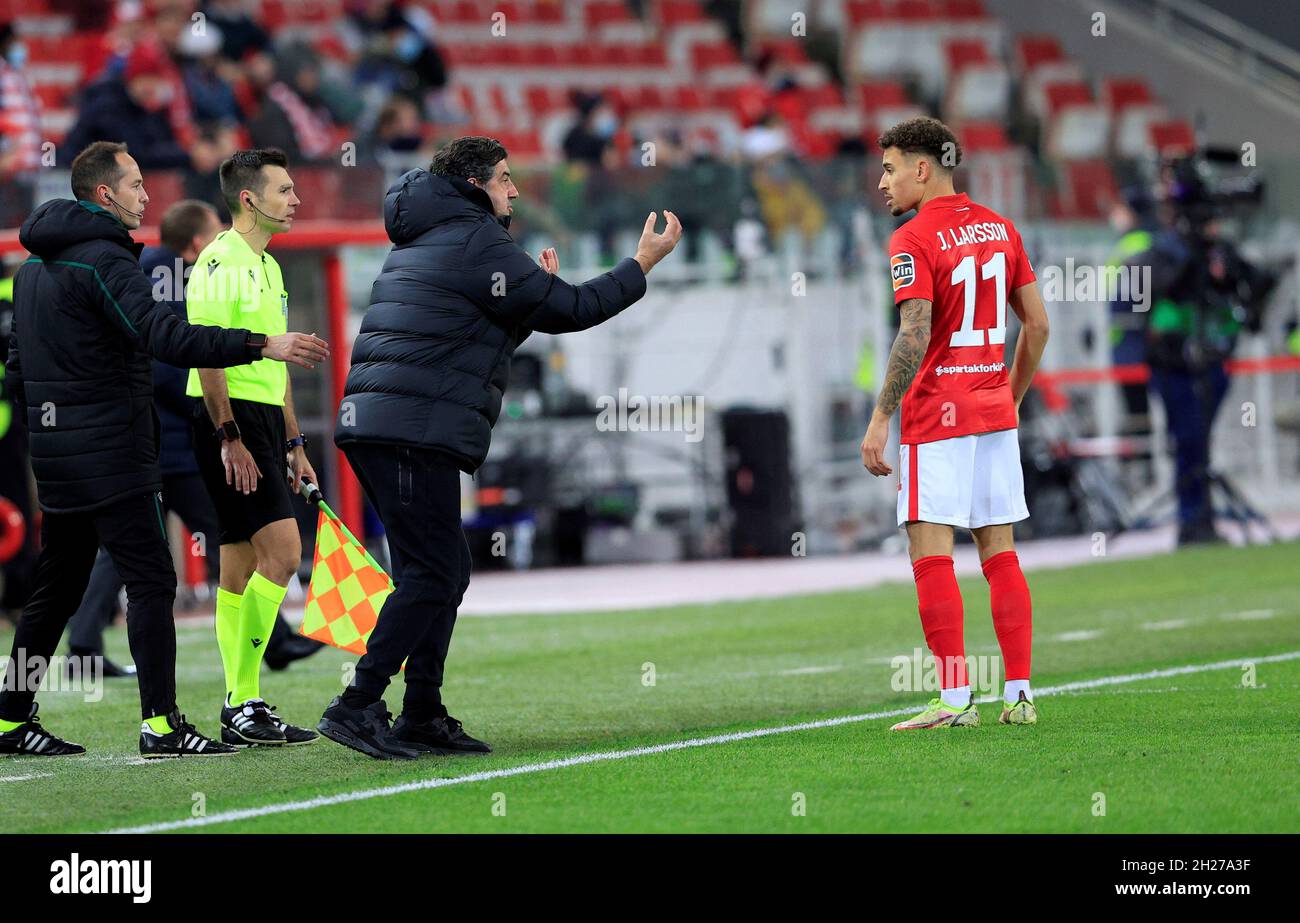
{"points": [[965, 259]]}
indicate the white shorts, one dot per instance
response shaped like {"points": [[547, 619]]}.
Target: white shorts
{"points": [[969, 481]]}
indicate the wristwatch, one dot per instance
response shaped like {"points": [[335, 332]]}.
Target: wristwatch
{"points": [[228, 431], [298, 441], [255, 342]]}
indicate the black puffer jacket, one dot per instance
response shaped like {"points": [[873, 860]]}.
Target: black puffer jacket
{"points": [[85, 324], [454, 300]]}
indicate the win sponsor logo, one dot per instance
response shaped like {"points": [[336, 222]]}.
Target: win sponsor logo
{"points": [[76, 875], [903, 269]]}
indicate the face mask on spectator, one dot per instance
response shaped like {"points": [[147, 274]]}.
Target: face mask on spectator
{"points": [[404, 143], [17, 55], [605, 124], [408, 46]]}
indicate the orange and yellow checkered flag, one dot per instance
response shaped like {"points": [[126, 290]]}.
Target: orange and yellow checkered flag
{"points": [[347, 589]]}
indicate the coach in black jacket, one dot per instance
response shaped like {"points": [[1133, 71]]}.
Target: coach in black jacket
{"points": [[455, 298], [85, 324]]}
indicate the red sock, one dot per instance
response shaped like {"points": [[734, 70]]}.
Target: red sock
{"points": [[1012, 612], [939, 601]]}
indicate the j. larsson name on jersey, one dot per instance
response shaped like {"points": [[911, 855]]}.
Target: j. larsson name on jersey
{"points": [[76, 875], [976, 233]]}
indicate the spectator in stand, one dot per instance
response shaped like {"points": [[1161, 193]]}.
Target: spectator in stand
{"points": [[765, 140], [210, 94], [394, 46], [217, 142], [169, 27], [398, 143], [20, 132], [709, 189], [290, 115], [134, 109], [592, 134], [589, 149], [787, 202], [241, 35]]}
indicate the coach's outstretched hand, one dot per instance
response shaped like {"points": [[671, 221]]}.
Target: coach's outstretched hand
{"points": [[303, 349], [549, 260], [653, 246]]}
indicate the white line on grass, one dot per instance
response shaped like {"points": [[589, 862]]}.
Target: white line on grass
{"points": [[1250, 615], [609, 755], [34, 775], [1086, 634]]}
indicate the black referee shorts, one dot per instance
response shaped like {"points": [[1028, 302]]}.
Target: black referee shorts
{"points": [[261, 427]]}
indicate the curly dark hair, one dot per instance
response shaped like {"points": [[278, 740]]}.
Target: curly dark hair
{"points": [[471, 157], [924, 135]]}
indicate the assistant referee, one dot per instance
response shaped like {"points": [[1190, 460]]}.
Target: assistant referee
{"points": [[240, 439]]}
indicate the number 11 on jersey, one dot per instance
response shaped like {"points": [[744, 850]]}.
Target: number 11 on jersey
{"points": [[995, 268]]}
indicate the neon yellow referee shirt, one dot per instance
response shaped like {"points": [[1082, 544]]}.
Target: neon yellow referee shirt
{"points": [[231, 286]]}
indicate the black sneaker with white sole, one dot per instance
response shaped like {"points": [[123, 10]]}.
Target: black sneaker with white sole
{"points": [[250, 724], [31, 739], [183, 740], [293, 736], [364, 729], [443, 736]]}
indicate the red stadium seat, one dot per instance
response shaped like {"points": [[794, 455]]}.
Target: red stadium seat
{"points": [[688, 98], [550, 12], [1120, 92], [1061, 96], [713, 54], [873, 94], [602, 12], [676, 12], [1034, 50], [861, 12], [1089, 190], [465, 12], [966, 53], [785, 51], [961, 9], [978, 137], [1173, 138]]}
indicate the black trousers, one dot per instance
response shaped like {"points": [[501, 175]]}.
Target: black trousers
{"points": [[182, 494], [132, 532], [417, 495]]}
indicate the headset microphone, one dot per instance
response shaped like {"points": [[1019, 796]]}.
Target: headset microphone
{"points": [[264, 214], [123, 208]]}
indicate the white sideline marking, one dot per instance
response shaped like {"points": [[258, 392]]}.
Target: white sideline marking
{"points": [[1250, 615], [606, 756], [1166, 625], [1086, 634], [34, 775], [800, 671]]}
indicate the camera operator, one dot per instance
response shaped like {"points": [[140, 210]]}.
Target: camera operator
{"points": [[1205, 293]]}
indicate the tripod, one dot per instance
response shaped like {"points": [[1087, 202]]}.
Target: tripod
{"points": [[1235, 506]]}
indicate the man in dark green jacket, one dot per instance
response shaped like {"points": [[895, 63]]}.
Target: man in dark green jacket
{"points": [[85, 326]]}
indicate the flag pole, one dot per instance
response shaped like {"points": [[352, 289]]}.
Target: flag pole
{"points": [[312, 494]]}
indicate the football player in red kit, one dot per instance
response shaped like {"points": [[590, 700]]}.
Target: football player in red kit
{"points": [[956, 266]]}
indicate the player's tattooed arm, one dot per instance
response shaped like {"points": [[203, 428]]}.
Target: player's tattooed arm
{"points": [[907, 353]]}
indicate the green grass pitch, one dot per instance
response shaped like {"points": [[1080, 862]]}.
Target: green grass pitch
{"points": [[1189, 752]]}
